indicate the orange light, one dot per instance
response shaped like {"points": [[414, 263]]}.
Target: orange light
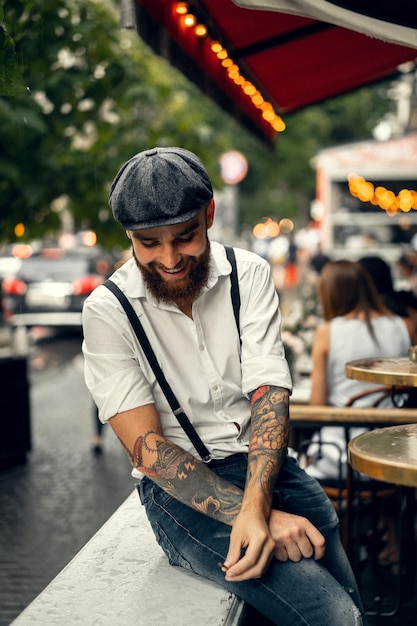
{"points": [[190, 20], [257, 100], [259, 231], [89, 238], [19, 230], [222, 55], [181, 8], [382, 197], [200, 30], [272, 229], [216, 47], [268, 115], [278, 124], [249, 89]]}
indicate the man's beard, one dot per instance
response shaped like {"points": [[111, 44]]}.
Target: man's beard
{"points": [[188, 289]]}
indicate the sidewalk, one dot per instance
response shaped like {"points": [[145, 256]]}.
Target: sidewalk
{"points": [[51, 506]]}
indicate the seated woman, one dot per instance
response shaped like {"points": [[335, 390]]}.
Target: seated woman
{"points": [[357, 325]]}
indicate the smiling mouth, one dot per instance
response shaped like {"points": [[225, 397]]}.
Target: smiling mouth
{"points": [[174, 273]]}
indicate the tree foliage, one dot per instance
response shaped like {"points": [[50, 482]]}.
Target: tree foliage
{"points": [[96, 95]]}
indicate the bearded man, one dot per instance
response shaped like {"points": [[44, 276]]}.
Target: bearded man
{"points": [[246, 515]]}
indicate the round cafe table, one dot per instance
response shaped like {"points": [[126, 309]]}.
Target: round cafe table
{"points": [[401, 372], [388, 454]]}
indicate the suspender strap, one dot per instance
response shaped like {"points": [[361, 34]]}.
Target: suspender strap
{"points": [[150, 355], [234, 289]]}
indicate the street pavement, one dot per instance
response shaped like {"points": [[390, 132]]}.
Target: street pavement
{"points": [[53, 504]]}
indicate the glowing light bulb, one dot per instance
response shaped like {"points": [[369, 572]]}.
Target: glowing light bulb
{"points": [[190, 20], [200, 30], [181, 8], [216, 47]]}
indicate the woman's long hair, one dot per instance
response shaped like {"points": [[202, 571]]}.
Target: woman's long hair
{"points": [[346, 286]]}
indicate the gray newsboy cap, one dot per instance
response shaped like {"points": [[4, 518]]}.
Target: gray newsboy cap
{"points": [[159, 187]]}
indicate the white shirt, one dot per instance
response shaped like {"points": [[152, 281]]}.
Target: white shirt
{"points": [[200, 357]]}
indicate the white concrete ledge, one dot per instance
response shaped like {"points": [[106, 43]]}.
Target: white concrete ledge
{"points": [[121, 577]]}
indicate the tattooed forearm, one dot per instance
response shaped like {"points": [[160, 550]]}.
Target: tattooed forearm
{"points": [[269, 436], [185, 478], [270, 424]]}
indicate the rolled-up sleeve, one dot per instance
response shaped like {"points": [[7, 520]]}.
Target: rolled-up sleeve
{"points": [[112, 372], [263, 353]]}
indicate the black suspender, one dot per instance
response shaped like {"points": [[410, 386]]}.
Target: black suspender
{"points": [[234, 287], [150, 355]]}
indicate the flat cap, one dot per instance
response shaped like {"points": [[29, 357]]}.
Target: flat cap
{"points": [[159, 187]]}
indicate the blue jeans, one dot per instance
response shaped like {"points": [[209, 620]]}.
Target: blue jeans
{"points": [[315, 593]]}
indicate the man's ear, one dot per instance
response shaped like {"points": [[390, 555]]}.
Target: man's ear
{"points": [[128, 234], [210, 214]]}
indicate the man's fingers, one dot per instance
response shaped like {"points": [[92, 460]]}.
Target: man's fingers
{"points": [[296, 538], [251, 565], [317, 541]]}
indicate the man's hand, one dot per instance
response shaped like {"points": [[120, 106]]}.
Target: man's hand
{"points": [[250, 533], [295, 537]]}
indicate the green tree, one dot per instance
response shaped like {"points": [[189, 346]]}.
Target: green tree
{"points": [[96, 95]]}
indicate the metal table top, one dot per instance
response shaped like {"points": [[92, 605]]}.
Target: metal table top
{"points": [[388, 454], [385, 371]]}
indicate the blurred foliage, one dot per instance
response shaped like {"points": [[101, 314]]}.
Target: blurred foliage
{"points": [[96, 95], [11, 81]]}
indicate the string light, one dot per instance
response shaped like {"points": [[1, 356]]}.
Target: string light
{"points": [[382, 197], [200, 30], [190, 20], [181, 8], [268, 113]]}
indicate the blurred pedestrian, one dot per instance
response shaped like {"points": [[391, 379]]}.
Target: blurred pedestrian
{"points": [[402, 302], [319, 259]]}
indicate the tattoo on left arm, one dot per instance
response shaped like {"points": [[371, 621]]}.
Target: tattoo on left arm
{"points": [[269, 436]]}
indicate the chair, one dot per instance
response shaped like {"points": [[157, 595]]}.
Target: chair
{"points": [[346, 494], [352, 497]]}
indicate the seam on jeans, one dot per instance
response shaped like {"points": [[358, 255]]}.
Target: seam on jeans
{"points": [[185, 529]]}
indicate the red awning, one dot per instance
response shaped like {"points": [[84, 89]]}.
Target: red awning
{"points": [[290, 60]]}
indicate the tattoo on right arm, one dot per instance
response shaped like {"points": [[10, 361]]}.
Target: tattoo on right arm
{"points": [[186, 478]]}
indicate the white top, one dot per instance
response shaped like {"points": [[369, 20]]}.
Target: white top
{"points": [[350, 340], [200, 357]]}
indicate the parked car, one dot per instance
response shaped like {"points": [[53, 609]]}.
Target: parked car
{"points": [[49, 287]]}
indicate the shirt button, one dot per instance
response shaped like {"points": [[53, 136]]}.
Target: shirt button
{"points": [[201, 346], [215, 388]]}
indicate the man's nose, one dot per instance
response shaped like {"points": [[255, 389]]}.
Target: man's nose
{"points": [[169, 257]]}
